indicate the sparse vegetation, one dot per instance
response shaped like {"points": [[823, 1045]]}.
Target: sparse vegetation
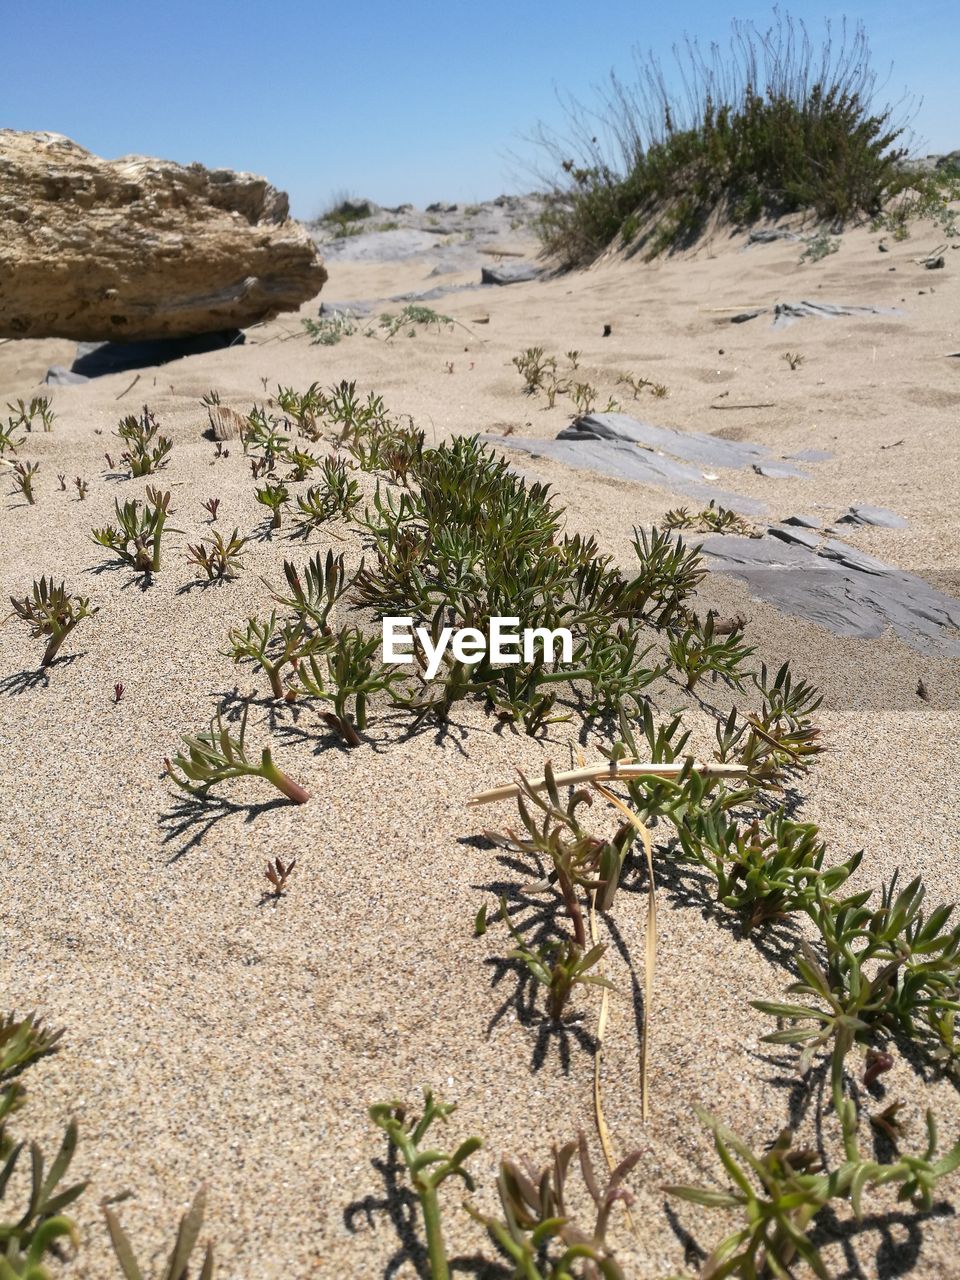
{"points": [[146, 450], [771, 125], [136, 538], [23, 473]]}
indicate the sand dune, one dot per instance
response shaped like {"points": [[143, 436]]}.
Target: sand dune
{"points": [[210, 1038]]}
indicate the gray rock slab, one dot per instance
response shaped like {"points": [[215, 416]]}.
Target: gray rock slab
{"points": [[510, 273], [790, 533], [352, 308], [627, 462], [785, 313], [803, 522], [810, 455], [768, 235], [879, 516], [777, 470], [690, 446], [58, 376], [841, 589]]}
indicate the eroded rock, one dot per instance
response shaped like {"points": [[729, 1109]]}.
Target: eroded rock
{"points": [[140, 248]]}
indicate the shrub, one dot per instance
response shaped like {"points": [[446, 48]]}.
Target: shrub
{"points": [[773, 125]]}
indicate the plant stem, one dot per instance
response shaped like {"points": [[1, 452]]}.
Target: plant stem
{"points": [[281, 781], [56, 640], [430, 1204]]}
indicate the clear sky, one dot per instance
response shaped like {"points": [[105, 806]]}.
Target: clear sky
{"points": [[398, 100]]}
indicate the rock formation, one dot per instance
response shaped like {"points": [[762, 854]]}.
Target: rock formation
{"points": [[138, 248]]}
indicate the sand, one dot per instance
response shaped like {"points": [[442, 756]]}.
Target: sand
{"points": [[214, 1038]]}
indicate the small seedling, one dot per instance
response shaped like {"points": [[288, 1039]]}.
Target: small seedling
{"points": [[273, 646], [177, 1267], [136, 538], [426, 1169], [558, 965], [23, 473], [7, 440], [278, 873], [212, 506], [584, 397], [117, 693], [51, 613], [109, 460], [220, 558], [274, 496], [24, 413], [536, 1212], [793, 358], [697, 649], [82, 488], [337, 495], [533, 366], [344, 670], [146, 450], [217, 755], [302, 462], [62, 480]]}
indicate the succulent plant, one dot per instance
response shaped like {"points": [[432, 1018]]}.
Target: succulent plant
{"points": [[52, 614], [217, 756]]}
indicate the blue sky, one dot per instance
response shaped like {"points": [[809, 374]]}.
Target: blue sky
{"points": [[415, 101]]}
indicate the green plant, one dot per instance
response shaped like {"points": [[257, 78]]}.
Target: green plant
{"points": [[337, 495], [780, 1194], [275, 497], [882, 969], [315, 590], [712, 519], [669, 575], [220, 558], [217, 756], [533, 366], [82, 489], [27, 1238], [146, 451], [696, 649], [24, 413], [7, 440], [52, 614], [272, 645], [535, 1215], [559, 965], [584, 397], [409, 317], [302, 462], [819, 246], [23, 473], [212, 506], [261, 434], [328, 330], [772, 124], [764, 871], [344, 669], [136, 538], [793, 358], [188, 1233], [427, 1169]]}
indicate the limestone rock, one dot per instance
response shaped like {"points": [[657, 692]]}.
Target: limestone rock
{"points": [[139, 248]]}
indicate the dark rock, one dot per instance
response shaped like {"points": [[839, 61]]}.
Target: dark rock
{"points": [[510, 273], [878, 516]]}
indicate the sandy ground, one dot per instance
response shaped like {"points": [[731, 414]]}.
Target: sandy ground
{"points": [[212, 1038]]}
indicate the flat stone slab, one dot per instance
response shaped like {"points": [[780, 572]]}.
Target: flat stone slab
{"points": [[785, 313], [627, 462], [839, 588], [690, 446], [878, 516], [510, 273]]}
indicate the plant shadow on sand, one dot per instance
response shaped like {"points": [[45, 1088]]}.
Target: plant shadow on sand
{"points": [[193, 817], [402, 1209], [538, 928]]}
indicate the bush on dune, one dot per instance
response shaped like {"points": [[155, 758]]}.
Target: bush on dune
{"points": [[769, 126]]}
